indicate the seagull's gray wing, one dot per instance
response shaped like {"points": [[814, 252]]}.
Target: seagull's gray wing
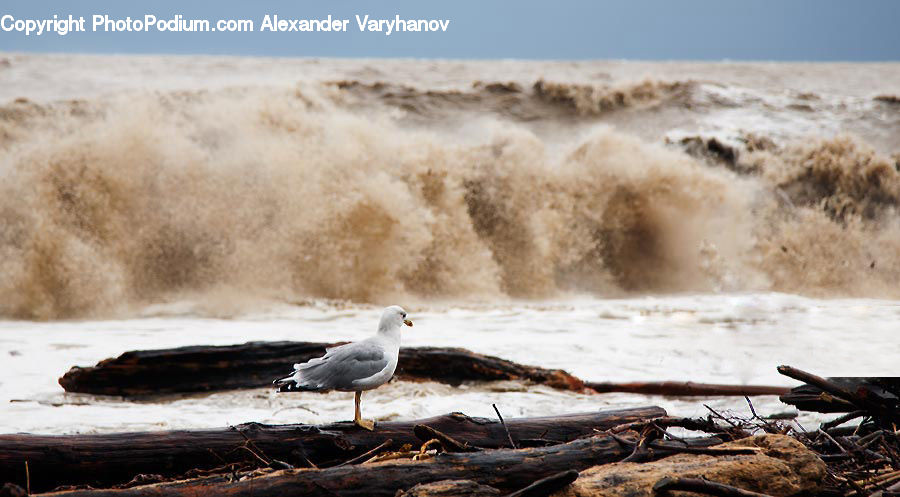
{"points": [[340, 366]]}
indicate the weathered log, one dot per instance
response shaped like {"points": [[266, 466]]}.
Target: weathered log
{"points": [[685, 388], [256, 364], [504, 469], [107, 459]]}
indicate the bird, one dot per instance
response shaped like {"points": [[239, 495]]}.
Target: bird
{"points": [[353, 367]]}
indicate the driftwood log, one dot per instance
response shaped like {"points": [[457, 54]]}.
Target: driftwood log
{"points": [[685, 388], [256, 364], [109, 459], [504, 469]]}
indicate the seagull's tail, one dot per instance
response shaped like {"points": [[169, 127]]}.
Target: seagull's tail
{"points": [[284, 381], [291, 384]]}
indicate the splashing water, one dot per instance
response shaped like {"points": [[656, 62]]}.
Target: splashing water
{"points": [[293, 193]]}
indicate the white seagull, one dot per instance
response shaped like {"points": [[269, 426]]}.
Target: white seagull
{"points": [[353, 367]]}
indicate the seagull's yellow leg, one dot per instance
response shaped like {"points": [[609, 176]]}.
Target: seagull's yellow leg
{"points": [[358, 420]]}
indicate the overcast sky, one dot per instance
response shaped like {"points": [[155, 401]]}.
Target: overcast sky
{"points": [[814, 30]]}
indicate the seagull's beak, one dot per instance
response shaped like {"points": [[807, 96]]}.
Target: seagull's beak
{"points": [[407, 322]]}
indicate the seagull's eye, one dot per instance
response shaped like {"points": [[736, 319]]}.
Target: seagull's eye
{"points": [[404, 315]]}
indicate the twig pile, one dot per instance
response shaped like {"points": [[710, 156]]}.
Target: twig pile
{"points": [[863, 459]]}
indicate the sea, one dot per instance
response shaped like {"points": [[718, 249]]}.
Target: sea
{"points": [[622, 220]]}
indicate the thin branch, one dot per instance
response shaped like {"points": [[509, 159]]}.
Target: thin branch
{"points": [[703, 486], [248, 449], [712, 451], [368, 454], [548, 485], [504, 426], [842, 419], [251, 444], [448, 443], [716, 414], [829, 437]]}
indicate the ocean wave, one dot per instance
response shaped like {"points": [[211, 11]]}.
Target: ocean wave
{"points": [[594, 99], [842, 176], [241, 195], [543, 100]]}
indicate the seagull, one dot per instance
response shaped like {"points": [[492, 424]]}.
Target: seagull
{"points": [[353, 367]]}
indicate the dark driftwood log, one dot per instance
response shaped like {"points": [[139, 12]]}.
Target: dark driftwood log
{"points": [[107, 459], [504, 469], [685, 388], [256, 364]]}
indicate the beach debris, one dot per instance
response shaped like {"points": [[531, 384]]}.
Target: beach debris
{"points": [[863, 460], [638, 452], [207, 368], [507, 470], [876, 396], [114, 458], [686, 388]]}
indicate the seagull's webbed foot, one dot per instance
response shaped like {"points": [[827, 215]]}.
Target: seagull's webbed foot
{"points": [[368, 424]]}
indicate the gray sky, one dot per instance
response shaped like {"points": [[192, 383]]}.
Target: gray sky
{"points": [[814, 30]]}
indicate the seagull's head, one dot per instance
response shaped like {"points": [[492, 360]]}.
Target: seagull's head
{"points": [[394, 316]]}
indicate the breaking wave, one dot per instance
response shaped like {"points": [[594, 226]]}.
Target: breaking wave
{"points": [[243, 195], [542, 101]]}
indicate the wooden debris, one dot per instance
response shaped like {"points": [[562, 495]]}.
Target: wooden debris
{"points": [[520, 468], [255, 364], [676, 388], [143, 373], [109, 459], [862, 460], [877, 396], [694, 424]]}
